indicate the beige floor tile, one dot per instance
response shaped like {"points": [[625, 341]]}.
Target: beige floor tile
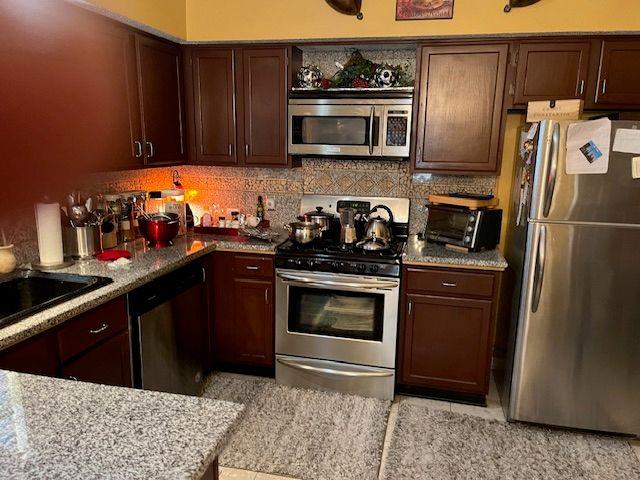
{"points": [[424, 402], [268, 476], [227, 473], [636, 446]]}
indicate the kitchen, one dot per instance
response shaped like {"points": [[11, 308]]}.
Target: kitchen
{"points": [[412, 333]]}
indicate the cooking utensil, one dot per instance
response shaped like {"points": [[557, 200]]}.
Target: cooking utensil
{"points": [[303, 233], [374, 244], [78, 215], [160, 228], [82, 242], [348, 233], [379, 227], [324, 219]]}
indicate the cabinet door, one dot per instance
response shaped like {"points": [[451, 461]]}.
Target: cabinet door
{"points": [[161, 100], [619, 79], [37, 355], [107, 363], [460, 108], [551, 71], [253, 327], [214, 102], [264, 92], [446, 343]]}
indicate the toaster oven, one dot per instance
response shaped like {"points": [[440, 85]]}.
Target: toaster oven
{"points": [[474, 230]]}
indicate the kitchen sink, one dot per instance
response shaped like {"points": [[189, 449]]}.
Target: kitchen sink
{"points": [[26, 292]]}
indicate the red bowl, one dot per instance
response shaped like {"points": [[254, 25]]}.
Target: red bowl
{"points": [[159, 229]]}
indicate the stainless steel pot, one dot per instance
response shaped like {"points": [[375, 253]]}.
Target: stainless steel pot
{"points": [[324, 219], [379, 227], [303, 233]]}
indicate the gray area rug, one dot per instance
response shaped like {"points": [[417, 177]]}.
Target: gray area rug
{"points": [[431, 444], [307, 434]]}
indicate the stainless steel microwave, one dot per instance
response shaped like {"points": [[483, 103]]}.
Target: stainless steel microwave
{"points": [[360, 124]]}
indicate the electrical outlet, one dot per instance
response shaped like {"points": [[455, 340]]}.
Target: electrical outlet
{"points": [[271, 204]]}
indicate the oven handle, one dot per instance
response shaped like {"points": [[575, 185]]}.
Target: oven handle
{"points": [[331, 371], [332, 283]]}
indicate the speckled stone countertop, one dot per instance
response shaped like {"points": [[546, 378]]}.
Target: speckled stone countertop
{"points": [[147, 264], [430, 254], [53, 428]]}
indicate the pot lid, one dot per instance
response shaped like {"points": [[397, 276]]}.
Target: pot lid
{"points": [[319, 213], [312, 225]]}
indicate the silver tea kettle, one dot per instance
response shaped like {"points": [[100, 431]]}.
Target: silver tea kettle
{"points": [[378, 227]]}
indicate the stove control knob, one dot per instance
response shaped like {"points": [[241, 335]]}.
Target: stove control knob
{"points": [[374, 268], [467, 239], [361, 268], [311, 264], [336, 266], [299, 262]]}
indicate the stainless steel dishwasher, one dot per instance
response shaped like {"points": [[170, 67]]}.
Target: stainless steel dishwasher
{"points": [[169, 332]]}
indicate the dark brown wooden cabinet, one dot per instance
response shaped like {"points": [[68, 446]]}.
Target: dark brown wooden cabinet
{"points": [[447, 329], [37, 355], [459, 117], [551, 71], [161, 105], [243, 309], [619, 74], [239, 99], [214, 106], [107, 363]]}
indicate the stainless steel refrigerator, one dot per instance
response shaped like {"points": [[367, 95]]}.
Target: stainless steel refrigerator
{"points": [[574, 251]]}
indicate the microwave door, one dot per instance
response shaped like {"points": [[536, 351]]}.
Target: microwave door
{"points": [[322, 129]]}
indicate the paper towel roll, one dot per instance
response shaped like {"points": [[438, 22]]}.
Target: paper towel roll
{"points": [[49, 233]]}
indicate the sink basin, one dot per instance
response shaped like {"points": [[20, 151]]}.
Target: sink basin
{"points": [[26, 292]]}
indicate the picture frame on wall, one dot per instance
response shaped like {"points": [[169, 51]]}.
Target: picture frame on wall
{"points": [[424, 9]]}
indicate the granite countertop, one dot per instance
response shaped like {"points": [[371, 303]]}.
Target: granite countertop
{"points": [[55, 428], [419, 252], [147, 264]]}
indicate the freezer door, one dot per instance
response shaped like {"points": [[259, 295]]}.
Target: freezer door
{"points": [[609, 198], [577, 355]]}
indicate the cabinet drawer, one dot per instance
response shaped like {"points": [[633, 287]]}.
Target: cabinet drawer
{"points": [[92, 327], [252, 266], [450, 282]]}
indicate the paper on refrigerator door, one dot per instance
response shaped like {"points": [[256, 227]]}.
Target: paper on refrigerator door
{"points": [[588, 145], [627, 140]]}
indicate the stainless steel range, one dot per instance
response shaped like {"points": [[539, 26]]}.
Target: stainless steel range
{"points": [[337, 306]]}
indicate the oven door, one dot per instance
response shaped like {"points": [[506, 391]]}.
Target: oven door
{"points": [[344, 318], [324, 129]]}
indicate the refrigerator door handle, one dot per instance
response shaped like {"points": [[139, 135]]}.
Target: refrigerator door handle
{"points": [[553, 169], [538, 277]]}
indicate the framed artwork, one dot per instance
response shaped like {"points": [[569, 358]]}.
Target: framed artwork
{"points": [[424, 9]]}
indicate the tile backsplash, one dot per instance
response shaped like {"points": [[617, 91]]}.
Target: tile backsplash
{"points": [[239, 187]]}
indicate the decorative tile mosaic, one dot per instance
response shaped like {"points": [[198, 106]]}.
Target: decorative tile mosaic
{"points": [[227, 188]]}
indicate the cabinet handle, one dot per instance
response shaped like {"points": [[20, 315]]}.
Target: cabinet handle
{"points": [[138, 145], [246, 149], [71, 377], [410, 308], [581, 87], [604, 86], [100, 329], [449, 284], [251, 267], [230, 149], [150, 147], [266, 296]]}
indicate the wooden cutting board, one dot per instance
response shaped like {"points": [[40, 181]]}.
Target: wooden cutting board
{"points": [[472, 203]]}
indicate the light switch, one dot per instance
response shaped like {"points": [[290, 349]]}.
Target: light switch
{"points": [[271, 204], [635, 167]]}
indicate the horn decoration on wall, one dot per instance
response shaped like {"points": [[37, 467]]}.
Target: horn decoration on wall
{"points": [[518, 3], [347, 7]]}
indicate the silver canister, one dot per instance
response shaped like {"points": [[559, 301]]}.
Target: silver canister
{"points": [[82, 242]]}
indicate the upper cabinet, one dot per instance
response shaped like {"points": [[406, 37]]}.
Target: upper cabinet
{"points": [[159, 77], [619, 75], [239, 99], [459, 117], [549, 71]]}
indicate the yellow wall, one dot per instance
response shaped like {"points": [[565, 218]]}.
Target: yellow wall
{"points": [[311, 19], [168, 16]]}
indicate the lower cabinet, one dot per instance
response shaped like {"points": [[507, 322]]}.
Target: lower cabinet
{"points": [[92, 347], [243, 310], [447, 329], [107, 363]]}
